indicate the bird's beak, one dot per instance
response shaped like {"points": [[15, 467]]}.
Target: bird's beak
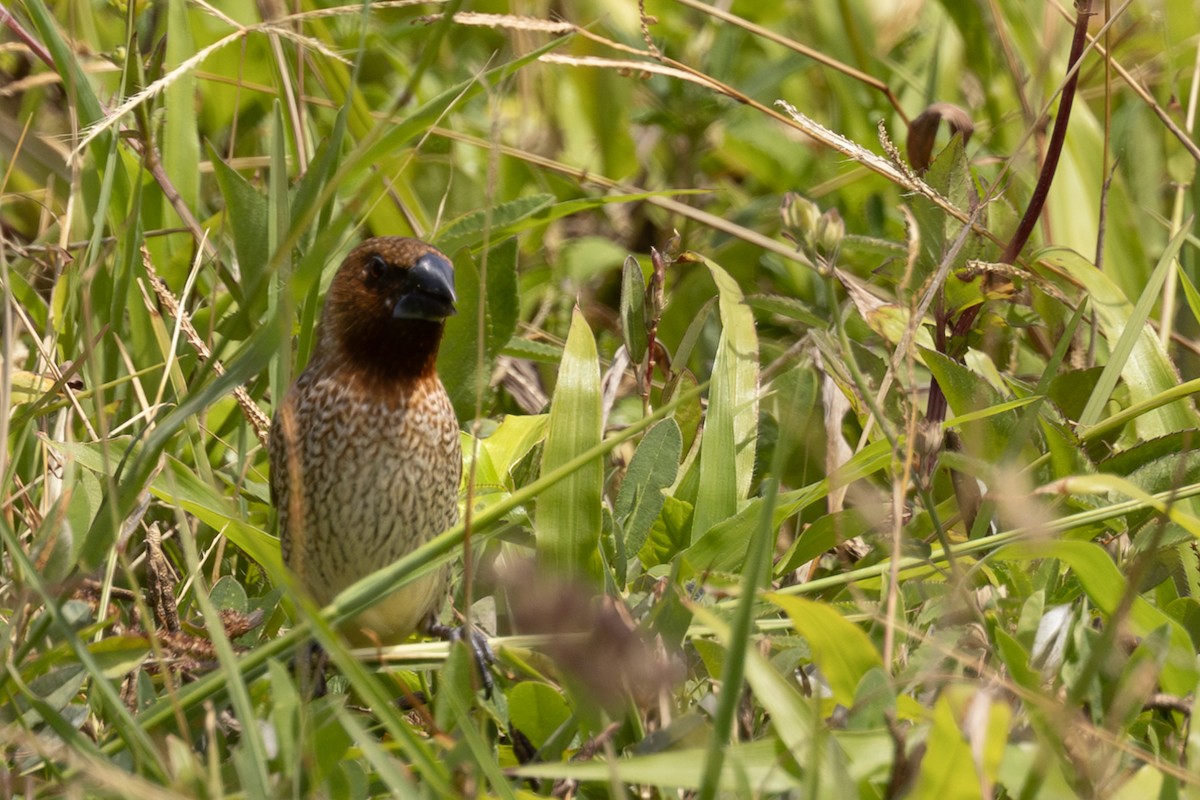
{"points": [[430, 294]]}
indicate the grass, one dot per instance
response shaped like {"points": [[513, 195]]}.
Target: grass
{"points": [[791, 469]]}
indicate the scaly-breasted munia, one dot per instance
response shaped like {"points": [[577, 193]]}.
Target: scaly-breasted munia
{"points": [[365, 456]]}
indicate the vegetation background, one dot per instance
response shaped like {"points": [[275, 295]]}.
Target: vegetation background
{"points": [[729, 536]]}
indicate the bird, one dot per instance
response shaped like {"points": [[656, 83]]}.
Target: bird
{"points": [[364, 449]]}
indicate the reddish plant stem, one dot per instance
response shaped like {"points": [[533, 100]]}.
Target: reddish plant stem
{"points": [[14, 25], [956, 346]]}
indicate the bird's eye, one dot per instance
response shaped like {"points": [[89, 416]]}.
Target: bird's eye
{"points": [[376, 267]]}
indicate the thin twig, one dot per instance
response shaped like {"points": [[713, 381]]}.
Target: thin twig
{"points": [[259, 421]]}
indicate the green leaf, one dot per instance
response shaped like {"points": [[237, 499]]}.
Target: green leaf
{"points": [[668, 535], [468, 230], [246, 215], [822, 536], [756, 764], [180, 142], [729, 440], [1135, 352], [723, 546], [542, 352], [950, 769], [229, 595], [651, 470], [568, 513], [968, 394], [633, 310], [840, 648], [512, 439], [537, 710], [1105, 586], [503, 299], [262, 346], [458, 359]]}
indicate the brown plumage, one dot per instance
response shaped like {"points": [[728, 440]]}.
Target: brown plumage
{"points": [[365, 456]]}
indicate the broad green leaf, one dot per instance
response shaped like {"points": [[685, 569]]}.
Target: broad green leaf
{"points": [[568, 513], [668, 536], [840, 648], [229, 595], [117, 656], [651, 470], [727, 448], [722, 548], [513, 438], [537, 710]]}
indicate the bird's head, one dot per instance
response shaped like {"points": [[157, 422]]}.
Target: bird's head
{"points": [[387, 306]]}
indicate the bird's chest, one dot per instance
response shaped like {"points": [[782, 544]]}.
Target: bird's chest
{"points": [[383, 474]]}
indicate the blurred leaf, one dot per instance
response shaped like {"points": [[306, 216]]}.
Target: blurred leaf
{"points": [[1105, 585], [117, 656], [754, 764], [839, 648], [180, 144], [951, 767]]}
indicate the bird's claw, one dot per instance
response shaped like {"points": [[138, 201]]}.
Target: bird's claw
{"points": [[308, 665], [481, 650]]}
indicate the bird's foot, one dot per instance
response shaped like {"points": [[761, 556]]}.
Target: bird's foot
{"points": [[481, 651]]}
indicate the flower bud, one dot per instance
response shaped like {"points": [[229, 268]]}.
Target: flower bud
{"points": [[800, 217], [831, 229]]}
